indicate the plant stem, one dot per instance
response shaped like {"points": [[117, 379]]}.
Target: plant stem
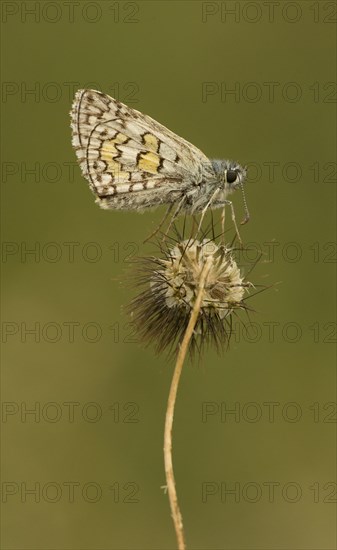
{"points": [[171, 488]]}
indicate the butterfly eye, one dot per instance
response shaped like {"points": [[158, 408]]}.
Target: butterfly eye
{"points": [[231, 176]]}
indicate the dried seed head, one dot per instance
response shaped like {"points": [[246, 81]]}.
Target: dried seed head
{"points": [[162, 311], [181, 272]]}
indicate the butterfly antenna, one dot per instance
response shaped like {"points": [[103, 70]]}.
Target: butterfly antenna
{"points": [[247, 216]]}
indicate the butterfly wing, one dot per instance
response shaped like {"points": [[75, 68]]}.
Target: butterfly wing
{"points": [[121, 150]]}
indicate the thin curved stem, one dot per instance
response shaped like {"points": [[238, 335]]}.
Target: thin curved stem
{"points": [[170, 481]]}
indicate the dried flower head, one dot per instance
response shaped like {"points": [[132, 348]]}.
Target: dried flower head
{"points": [[171, 284]]}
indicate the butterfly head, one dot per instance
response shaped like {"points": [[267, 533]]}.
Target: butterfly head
{"points": [[231, 176], [229, 173]]}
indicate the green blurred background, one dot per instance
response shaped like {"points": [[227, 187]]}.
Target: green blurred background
{"points": [[93, 449]]}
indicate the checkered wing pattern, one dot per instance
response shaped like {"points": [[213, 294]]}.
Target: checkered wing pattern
{"points": [[122, 151]]}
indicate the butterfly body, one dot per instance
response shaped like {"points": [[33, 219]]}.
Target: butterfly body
{"points": [[133, 162]]}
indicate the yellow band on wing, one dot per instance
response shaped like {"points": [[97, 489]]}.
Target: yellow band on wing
{"points": [[149, 162]]}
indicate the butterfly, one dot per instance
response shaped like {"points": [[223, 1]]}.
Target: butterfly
{"points": [[133, 162]]}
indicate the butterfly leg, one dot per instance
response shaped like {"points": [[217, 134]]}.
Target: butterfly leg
{"points": [[234, 219], [167, 213], [204, 210], [174, 215]]}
